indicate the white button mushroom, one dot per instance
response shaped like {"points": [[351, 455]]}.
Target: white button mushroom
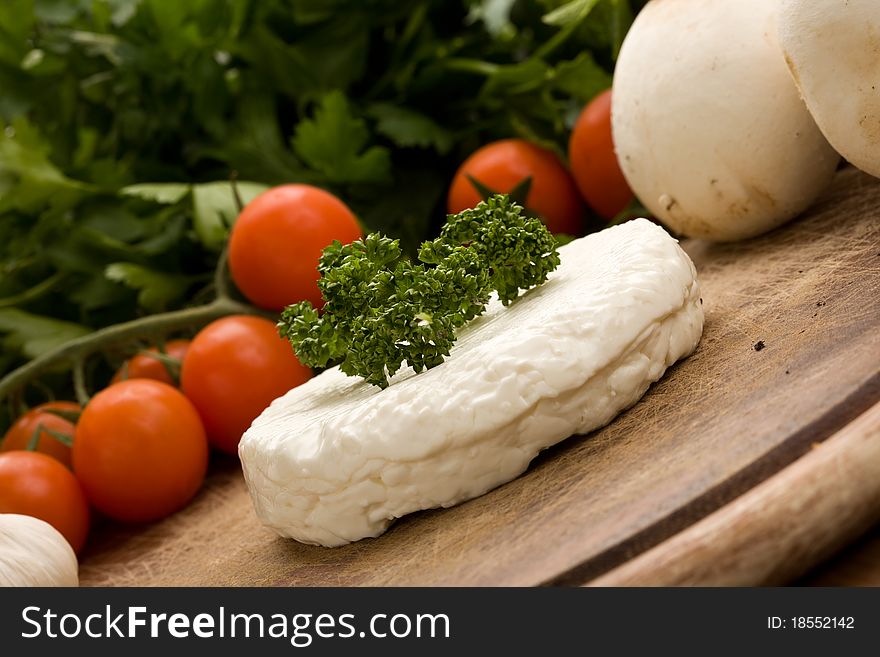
{"points": [[833, 52], [710, 131], [33, 553]]}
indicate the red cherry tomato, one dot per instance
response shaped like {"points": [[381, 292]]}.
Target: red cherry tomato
{"points": [[277, 240], [594, 162], [233, 370], [144, 366], [503, 165], [140, 450], [37, 485], [20, 433]]}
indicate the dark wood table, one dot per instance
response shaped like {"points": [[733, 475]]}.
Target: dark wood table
{"points": [[748, 463]]}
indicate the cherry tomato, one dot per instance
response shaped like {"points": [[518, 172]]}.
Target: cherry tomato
{"points": [[20, 433], [594, 162], [140, 450], [503, 165], [144, 366], [277, 240], [37, 485], [233, 370]]}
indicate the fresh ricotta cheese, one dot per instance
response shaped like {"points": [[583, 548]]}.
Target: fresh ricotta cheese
{"points": [[336, 460]]}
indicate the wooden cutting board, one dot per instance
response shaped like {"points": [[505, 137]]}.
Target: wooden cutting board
{"points": [[789, 356]]}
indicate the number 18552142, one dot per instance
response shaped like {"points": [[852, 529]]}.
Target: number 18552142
{"points": [[811, 623]]}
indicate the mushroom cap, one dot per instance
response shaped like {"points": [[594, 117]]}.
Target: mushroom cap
{"points": [[710, 131], [832, 48]]}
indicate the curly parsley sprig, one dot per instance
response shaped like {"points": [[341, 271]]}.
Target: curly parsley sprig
{"points": [[382, 309]]}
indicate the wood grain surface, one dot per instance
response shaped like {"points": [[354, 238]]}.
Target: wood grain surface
{"points": [[718, 424], [776, 531], [857, 565]]}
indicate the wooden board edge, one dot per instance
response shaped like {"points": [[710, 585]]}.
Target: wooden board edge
{"points": [[770, 464], [780, 529]]}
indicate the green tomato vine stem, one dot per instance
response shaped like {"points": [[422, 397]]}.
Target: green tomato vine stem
{"points": [[221, 276], [75, 353], [79, 380]]}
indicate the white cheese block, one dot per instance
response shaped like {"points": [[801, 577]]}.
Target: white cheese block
{"points": [[336, 460]]}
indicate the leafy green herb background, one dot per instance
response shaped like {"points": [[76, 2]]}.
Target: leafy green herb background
{"points": [[123, 121]]}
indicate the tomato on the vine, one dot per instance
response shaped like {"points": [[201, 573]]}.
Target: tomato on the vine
{"points": [[594, 161], [505, 165], [34, 484], [233, 370], [140, 450], [278, 238], [22, 430], [145, 366]]}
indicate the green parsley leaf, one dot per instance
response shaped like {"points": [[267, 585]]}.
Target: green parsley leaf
{"points": [[156, 290], [34, 335], [406, 127], [215, 209], [581, 78], [569, 13], [495, 15], [165, 193], [334, 143], [383, 309], [28, 179]]}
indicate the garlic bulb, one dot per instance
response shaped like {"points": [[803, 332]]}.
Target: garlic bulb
{"points": [[34, 553]]}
